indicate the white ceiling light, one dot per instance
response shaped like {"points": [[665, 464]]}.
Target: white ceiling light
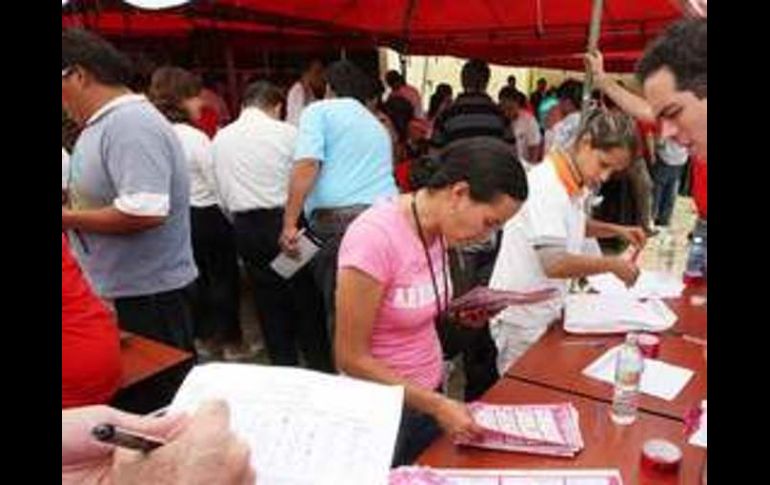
{"points": [[156, 4], [64, 2]]}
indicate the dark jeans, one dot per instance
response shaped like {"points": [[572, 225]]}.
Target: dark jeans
{"points": [[666, 184], [217, 297], [479, 354], [415, 433], [330, 232], [290, 311], [165, 317]]}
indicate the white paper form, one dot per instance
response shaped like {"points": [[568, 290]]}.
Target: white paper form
{"points": [[286, 266], [659, 378], [303, 427], [449, 476], [650, 284], [699, 437], [591, 313]]}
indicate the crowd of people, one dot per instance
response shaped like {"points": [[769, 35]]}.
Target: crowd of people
{"points": [[410, 208]]}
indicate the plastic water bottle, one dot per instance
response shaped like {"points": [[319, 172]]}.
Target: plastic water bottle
{"points": [[628, 375], [667, 250], [696, 260]]}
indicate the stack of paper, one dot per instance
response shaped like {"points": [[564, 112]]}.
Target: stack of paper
{"points": [[659, 379], [699, 437], [602, 313], [650, 284], [492, 301], [545, 429], [303, 426], [287, 266], [449, 476]]}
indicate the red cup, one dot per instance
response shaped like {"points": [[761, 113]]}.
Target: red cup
{"points": [[649, 344], [661, 456]]}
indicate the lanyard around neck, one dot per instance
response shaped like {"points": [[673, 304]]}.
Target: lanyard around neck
{"points": [[433, 278]]}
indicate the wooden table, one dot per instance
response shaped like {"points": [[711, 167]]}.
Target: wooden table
{"points": [[692, 318], [142, 358], [606, 445], [553, 363]]}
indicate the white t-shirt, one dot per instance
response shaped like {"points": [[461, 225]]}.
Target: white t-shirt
{"points": [[65, 168], [548, 217], [197, 151], [296, 100], [253, 157], [527, 133]]}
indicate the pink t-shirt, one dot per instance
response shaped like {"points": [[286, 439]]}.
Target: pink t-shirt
{"points": [[381, 243]]}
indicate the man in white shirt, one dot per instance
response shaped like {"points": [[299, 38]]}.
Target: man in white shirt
{"points": [[523, 124], [305, 90], [253, 157]]}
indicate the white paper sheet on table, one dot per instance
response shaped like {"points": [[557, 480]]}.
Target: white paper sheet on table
{"points": [[699, 437], [602, 313], [461, 476], [659, 378], [303, 427], [286, 266], [650, 284]]}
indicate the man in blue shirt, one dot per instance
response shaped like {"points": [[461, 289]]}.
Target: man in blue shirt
{"points": [[343, 164]]}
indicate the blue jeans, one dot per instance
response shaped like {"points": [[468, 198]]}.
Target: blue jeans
{"points": [[666, 185]]}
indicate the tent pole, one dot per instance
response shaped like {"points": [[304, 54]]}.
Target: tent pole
{"points": [[593, 41], [232, 83]]}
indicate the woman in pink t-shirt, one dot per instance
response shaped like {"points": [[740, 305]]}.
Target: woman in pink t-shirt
{"points": [[393, 280]]}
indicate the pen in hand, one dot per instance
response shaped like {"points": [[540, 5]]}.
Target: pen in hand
{"points": [[111, 434]]}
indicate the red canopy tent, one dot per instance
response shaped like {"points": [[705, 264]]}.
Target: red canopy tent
{"points": [[548, 33]]}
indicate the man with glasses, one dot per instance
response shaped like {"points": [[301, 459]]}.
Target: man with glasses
{"points": [[128, 194]]}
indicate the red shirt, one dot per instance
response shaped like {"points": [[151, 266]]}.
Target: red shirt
{"points": [[700, 185], [90, 352]]}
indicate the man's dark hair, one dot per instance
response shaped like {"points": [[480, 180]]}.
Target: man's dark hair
{"points": [[348, 81], [170, 86], [311, 62], [542, 81], [97, 56], [571, 90], [681, 49], [512, 80], [262, 94], [488, 165], [401, 112], [508, 93], [394, 79], [475, 75]]}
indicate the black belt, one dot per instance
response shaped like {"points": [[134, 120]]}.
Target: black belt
{"points": [[338, 214]]}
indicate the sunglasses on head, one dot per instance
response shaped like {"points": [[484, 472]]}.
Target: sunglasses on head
{"points": [[67, 71]]}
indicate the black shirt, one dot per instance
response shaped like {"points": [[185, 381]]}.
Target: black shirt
{"points": [[470, 115]]}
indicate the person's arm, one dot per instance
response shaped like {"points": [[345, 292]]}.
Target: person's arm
{"points": [[359, 296], [629, 102], [107, 220], [651, 142], [602, 230], [557, 263], [303, 177], [295, 101]]}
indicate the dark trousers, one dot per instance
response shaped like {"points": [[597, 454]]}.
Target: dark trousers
{"points": [[216, 301], [415, 433], [290, 311], [479, 354], [330, 232], [165, 317], [666, 185]]}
